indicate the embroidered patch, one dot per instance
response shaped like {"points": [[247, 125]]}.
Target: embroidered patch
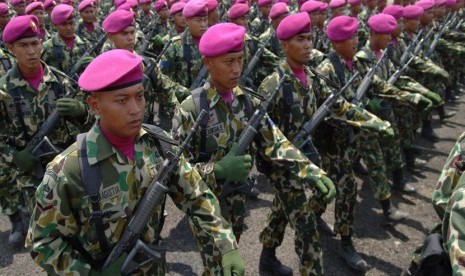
{"points": [[215, 129]]}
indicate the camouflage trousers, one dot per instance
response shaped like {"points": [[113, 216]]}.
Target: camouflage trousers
{"points": [[430, 75], [369, 149], [233, 210], [10, 195], [452, 54], [296, 207]]}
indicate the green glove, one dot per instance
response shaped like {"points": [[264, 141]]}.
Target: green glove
{"points": [[326, 187], [233, 168], [374, 106], [114, 269], [232, 263], [70, 107], [24, 160], [424, 105], [387, 135], [435, 98]]}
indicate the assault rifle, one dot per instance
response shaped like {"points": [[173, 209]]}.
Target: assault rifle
{"points": [[459, 24], [305, 134], [409, 49], [249, 132], [201, 75], [435, 42], [73, 71], [399, 71], [153, 197], [148, 37], [366, 82], [252, 63], [419, 45]]}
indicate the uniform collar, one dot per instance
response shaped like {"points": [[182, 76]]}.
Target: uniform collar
{"points": [[213, 97], [48, 77]]}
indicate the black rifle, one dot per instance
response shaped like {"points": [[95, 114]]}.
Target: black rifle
{"points": [[249, 132], [153, 197], [148, 37], [435, 42], [73, 71], [459, 24], [305, 134], [154, 64], [399, 71], [251, 65], [201, 75], [409, 49]]}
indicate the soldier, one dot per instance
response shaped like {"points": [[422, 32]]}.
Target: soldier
{"points": [[179, 22], [64, 234], [313, 10], [214, 150], [337, 7], [163, 24], [29, 93], [214, 16], [37, 9], [261, 23], [65, 48], [146, 14], [5, 56], [19, 7], [48, 6], [87, 28], [277, 13]]}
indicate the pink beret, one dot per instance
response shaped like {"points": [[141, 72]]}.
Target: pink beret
{"points": [[288, 2], [425, 4], [85, 4], [145, 1], [125, 6], [221, 39], [293, 25], [382, 23], [17, 2], [238, 10], [413, 12], [49, 4], [195, 8], [61, 13], [4, 9], [311, 6], [395, 10], [278, 9], [342, 28], [355, 2], [115, 69], [301, 2], [118, 3], [177, 7], [160, 4], [324, 7], [118, 20], [450, 3], [212, 5], [34, 6], [262, 3], [19, 27], [239, 2], [334, 4]]}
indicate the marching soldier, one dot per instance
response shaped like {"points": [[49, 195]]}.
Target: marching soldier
{"points": [[162, 24], [277, 13], [87, 28], [214, 16], [37, 9], [261, 23], [146, 14], [19, 7], [5, 56], [65, 236], [179, 22], [48, 6]]}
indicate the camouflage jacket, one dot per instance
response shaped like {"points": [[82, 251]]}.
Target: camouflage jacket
{"points": [[224, 127], [7, 61], [62, 211], [36, 106], [84, 33], [145, 20], [259, 25], [272, 42], [57, 54], [320, 41]]}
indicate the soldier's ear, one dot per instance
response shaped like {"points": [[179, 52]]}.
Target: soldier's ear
{"points": [[11, 48], [207, 62], [94, 104]]}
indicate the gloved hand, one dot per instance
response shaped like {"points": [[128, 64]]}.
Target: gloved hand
{"points": [[327, 188], [232, 167], [387, 135], [25, 160], [70, 107], [374, 106], [114, 269], [435, 98], [232, 263], [424, 105]]}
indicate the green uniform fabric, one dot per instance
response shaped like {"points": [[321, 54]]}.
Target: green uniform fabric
{"points": [[91, 37]]}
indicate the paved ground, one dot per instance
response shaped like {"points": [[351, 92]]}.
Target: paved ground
{"points": [[386, 247]]}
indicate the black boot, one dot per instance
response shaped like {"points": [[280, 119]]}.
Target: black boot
{"points": [[17, 232], [324, 227], [451, 96], [391, 212], [359, 168], [352, 258], [427, 132], [443, 114], [270, 265], [411, 159], [400, 184]]}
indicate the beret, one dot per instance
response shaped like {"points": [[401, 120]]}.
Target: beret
{"points": [[34, 6], [334, 4], [115, 69], [19, 27], [262, 3], [238, 10], [342, 28], [311, 6], [61, 13], [67, 2], [195, 8], [413, 12], [382, 23], [450, 3], [355, 2], [85, 4], [324, 7], [125, 6], [49, 4], [212, 5], [160, 4], [4, 9], [425, 4], [145, 1], [288, 2], [278, 9], [118, 3], [221, 39], [177, 7], [293, 25], [118, 20], [395, 10], [17, 2]]}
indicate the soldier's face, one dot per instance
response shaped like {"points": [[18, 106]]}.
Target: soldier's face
{"points": [[163, 13], [146, 7], [40, 14], [197, 25], [381, 5], [356, 9], [298, 48], [213, 17], [241, 21], [66, 30], [88, 15], [427, 17], [179, 21], [125, 39], [27, 52], [380, 41], [347, 48], [20, 9], [121, 111], [225, 70], [4, 19], [265, 10], [400, 27], [338, 11], [412, 25]]}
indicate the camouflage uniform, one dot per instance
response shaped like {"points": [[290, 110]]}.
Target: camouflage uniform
{"points": [[259, 25], [225, 126], [296, 204], [92, 37], [36, 107], [62, 213], [7, 61], [57, 54], [145, 20], [272, 42]]}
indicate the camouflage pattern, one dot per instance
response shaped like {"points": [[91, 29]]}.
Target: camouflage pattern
{"points": [[55, 47], [145, 20], [271, 41], [259, 25], [63, 209], [320, 41], [36, 107], [7, 60], [225, 126], [92, 37]]}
